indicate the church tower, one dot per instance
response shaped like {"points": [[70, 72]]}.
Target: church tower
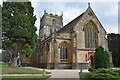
{"points": [[49, 23]]}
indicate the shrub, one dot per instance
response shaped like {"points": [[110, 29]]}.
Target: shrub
{"points": [[84, 76], [91, 69], [104, 74], [101, 58]]}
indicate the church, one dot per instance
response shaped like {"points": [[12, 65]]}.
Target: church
{"points": [[71, 46]]}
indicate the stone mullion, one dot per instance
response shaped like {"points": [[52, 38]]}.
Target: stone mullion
{"points": [[64, 52]]}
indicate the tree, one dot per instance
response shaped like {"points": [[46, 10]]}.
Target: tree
{"points": [[0, 20], [19, 33], [106, 60], [101, 58], [0, 32], [114, 45], [5, 57]]}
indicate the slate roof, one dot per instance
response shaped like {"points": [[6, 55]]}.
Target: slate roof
{"points": [[70, 25]]}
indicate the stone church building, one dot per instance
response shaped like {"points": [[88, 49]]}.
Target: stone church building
{"points": [[71, 46]]}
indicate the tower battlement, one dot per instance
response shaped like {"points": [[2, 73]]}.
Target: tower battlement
{"points": [[50, 22]]}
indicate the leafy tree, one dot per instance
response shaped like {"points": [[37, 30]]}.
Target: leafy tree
{"points": [[114, 45], [101, 58], [19, 33]]}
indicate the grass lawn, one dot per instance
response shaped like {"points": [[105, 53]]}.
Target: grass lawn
{"points": [[84, 76], [32, 77], [20, 70], [25, 76]]}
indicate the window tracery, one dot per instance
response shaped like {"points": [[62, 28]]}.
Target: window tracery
{"points": [[63, 51], [90, 31]]}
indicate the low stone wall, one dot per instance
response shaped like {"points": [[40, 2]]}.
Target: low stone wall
{"points": [[59, 65]]}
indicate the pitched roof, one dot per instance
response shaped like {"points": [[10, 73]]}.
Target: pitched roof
{"points": [[70, 25]]}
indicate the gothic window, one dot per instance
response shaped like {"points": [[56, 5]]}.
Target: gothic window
{"points": [[90, 31], [63, 51]]}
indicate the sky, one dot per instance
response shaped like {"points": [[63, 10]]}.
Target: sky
{"points": [[107, 12]]}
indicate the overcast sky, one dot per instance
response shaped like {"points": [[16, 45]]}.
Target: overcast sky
{"points": [[107, 12]]}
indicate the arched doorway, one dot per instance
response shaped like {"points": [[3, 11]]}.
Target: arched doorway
{"points": [[92, 63]]}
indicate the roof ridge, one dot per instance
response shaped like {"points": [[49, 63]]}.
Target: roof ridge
{"points": [[70, 25]]}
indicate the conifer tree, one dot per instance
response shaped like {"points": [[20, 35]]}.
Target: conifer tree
{"points": [[19, 33], [101, 58]]}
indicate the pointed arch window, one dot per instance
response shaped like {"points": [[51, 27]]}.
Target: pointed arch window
{"points": [[90, 32], [63, 51]]}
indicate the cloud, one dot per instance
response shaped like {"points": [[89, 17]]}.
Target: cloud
{"points": [[37, 24], [75, 0], [111, 28], [71, 13], [0, 2], [112, 10], [107, 12]]}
